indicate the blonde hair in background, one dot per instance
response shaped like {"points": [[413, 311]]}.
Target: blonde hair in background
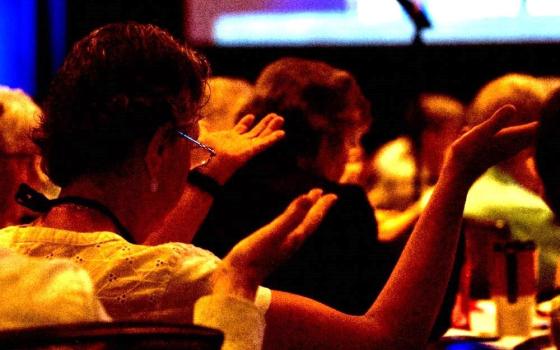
{"points": [[19, 116], [525, 92], [226, 97]]}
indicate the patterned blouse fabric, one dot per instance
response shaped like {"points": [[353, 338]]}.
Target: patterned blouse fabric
{"points": [[36, 292], [131, 281]]}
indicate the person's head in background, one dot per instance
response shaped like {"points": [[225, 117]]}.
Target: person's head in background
{"points": [[434, 121], [551, 83], [19, 159], [324, 109], [527, 94], [547, 152], [225, 98], [111, 119]]}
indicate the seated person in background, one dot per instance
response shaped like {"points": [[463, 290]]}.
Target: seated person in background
{"points": [[547, 154], [114, 134], [511, 191], [395, 183], [226, 97], [324, 114], [550, 82], [41, 292], [19, 159]]}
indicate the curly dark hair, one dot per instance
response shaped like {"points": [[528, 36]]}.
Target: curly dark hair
{"points": [[117, 86], [311, 95]]}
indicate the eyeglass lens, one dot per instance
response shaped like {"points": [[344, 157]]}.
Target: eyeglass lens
{"points": [[199, 157]]}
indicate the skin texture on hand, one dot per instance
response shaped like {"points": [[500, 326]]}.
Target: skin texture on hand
{"points": [[488, 143], [251, 260], [234, 147]]}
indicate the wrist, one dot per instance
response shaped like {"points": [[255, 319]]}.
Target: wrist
{"points": [[205, 182], [455, 176], [227, 280], [219, 170]]}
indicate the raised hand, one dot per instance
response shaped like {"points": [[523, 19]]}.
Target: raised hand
{"points": [[489, 143], [234, 147], [251, 260]]}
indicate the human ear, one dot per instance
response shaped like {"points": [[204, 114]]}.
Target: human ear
{"points": [[154, 154]]}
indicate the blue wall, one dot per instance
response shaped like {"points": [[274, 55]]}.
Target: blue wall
{"points": [[19, 35], [18, 48]]}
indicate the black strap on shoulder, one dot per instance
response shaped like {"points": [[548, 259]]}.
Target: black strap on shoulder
{"points": [[31, 199]]}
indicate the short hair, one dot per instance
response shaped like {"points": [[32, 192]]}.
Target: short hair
{"points": [[310, 95], [19, 115], [227, 96], [525, 92], [547, 152], [117, 86]]}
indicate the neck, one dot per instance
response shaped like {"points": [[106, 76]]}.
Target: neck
{"points": [[120, 195]]}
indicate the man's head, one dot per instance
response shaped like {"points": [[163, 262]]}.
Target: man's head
{"points": [[525, 92]]}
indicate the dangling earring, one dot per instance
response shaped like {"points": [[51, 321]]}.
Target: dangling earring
{"points": [[154, 186]]}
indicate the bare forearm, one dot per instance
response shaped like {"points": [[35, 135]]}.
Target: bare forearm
{"points": [[422, 273], [393, 226]]}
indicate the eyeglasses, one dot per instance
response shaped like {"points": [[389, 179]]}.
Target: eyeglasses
{"points": [[201, 154]]}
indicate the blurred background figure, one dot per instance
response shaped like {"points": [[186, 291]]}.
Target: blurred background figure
{"points": [[226, 96], [551, 83], [512, 191], [405, 169], [19, 159], [325, 114], [547, 154]]}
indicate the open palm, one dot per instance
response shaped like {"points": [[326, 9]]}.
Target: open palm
{"points": [[234, 147]]}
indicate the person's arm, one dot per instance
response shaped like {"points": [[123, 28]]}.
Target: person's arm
{"points": [[230, 307], [403, 314], [233, 148], [393, 224]]}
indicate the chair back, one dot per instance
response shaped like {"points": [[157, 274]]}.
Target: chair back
{"points": [[113, 335]]}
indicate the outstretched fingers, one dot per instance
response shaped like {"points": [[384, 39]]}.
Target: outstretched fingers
{"points": [[244, 124], [513, 139], [294, 214], [273, 126], [262, 143], [266, 125], [491, 142], [309, 224], [495, 123], [251, 260]]}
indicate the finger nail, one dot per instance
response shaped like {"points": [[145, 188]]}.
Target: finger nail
{"points": [[316, 192]]}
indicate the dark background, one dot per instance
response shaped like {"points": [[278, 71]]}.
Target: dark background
{"points": [[389, 76]]}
